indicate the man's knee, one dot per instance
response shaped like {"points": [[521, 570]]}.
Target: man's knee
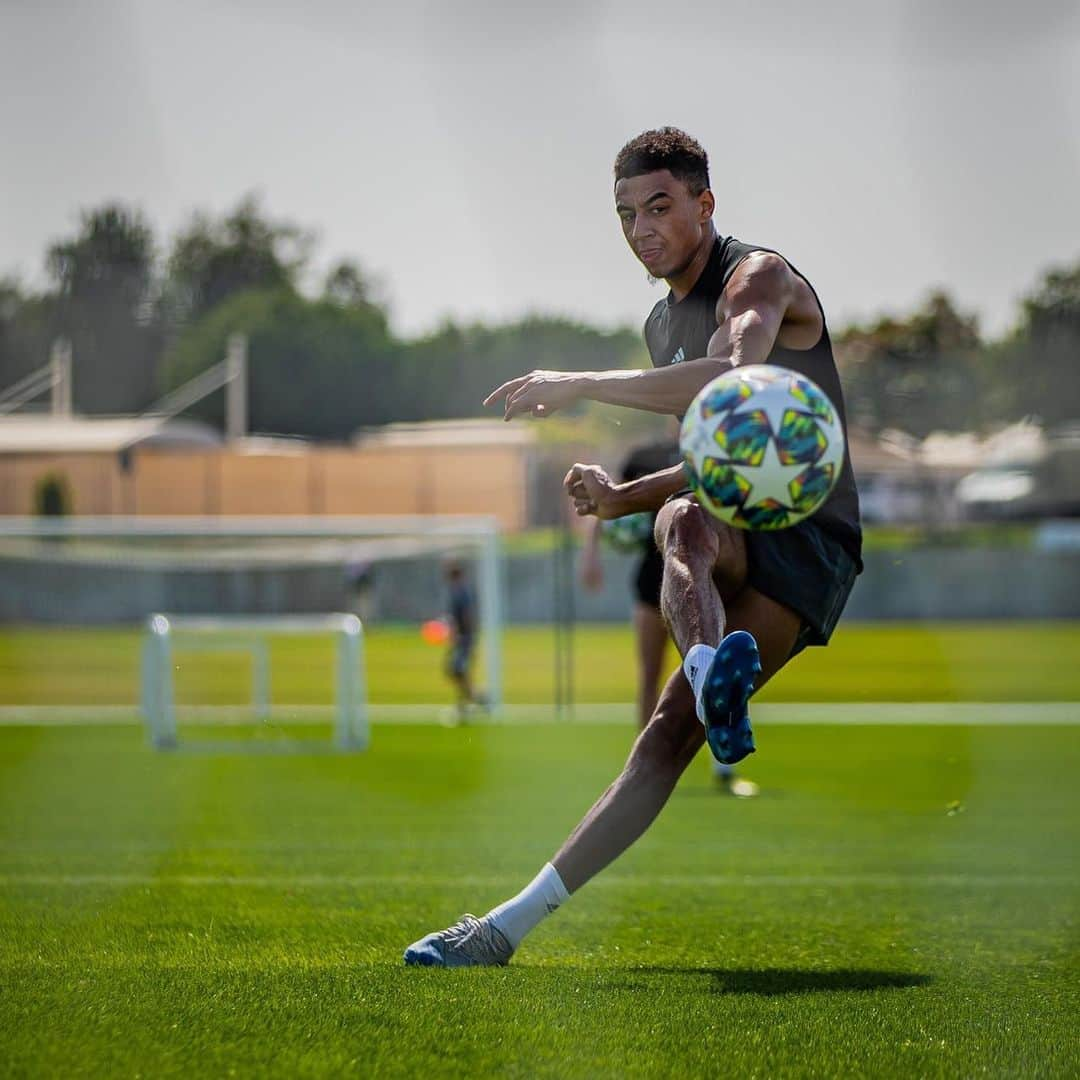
{"points": [[687, 532], [683, 530]]}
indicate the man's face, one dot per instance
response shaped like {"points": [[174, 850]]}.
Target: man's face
{"points": [[662, 221]]}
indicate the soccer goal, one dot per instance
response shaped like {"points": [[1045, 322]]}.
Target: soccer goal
{"points": [[276, 621], [168, 635]]}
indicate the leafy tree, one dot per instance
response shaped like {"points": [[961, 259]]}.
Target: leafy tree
{"points": [[52, 495], [212, 260], [451, 371], [315, 367], [104, 282], [1037, 367], [920, 374], [27, 327], [350, 287]]}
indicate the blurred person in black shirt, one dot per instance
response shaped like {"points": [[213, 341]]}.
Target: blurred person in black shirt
{"points": [[462, 638], [650, 631]]}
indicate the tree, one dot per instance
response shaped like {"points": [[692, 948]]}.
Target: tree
{"points": [[28, 324], [214, 260], [1038, 365], [315, 367], [349, 287], [920, 374], [104, 282], [450, 372]]}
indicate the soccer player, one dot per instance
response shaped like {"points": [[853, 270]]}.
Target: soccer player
{"points": [[739, 604], [650, 630], [462, 638]]}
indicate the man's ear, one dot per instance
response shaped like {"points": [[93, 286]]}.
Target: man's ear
{"points": [[708, 204]]}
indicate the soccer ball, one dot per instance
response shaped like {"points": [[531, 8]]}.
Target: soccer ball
{"points": [[630, 532], [762, 446]]}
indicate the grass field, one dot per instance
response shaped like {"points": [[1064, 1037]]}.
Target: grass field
{"points": [[899, 901], [864, 662]]}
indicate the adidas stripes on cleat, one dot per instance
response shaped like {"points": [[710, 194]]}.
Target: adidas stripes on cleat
{"points": [[470, 942]]}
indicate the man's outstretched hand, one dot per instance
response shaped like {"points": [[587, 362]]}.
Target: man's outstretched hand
{"points": [[539, 394], [592, 491]]}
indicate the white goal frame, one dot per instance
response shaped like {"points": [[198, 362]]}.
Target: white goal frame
{"points": [[479, 533], [167, 633]]}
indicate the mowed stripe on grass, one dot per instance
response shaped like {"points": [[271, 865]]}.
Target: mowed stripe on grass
{"points": [[898, 901], [933, 662], [306, 723]]}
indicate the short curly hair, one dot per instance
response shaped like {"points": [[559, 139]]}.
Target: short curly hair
{"points": [[665, 148]]}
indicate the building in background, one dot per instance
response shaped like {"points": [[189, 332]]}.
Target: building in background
{"points": [[143, 466]]}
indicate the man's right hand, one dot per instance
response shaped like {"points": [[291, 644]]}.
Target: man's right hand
{"points": [[593, 492]]}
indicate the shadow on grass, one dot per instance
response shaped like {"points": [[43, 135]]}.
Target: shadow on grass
{"points": [[773, 982]]}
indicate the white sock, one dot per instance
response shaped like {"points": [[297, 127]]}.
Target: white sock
{"points": [[543, 895], [695, 666]]}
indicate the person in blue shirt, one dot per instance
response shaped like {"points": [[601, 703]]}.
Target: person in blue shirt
{"points": [[462, 638]]}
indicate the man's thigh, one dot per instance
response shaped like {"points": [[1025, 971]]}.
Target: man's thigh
{"points": [[774, 626]]}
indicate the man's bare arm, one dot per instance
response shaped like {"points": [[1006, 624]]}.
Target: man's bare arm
{"points": [[751, 314], [594, 492], [765, 302]]}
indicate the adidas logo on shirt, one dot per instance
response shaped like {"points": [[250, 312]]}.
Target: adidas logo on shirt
{"points": [[679, 357]]}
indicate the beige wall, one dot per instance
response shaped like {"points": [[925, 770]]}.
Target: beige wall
{"points": [[335, 480], [263, 484], [95, 483], [177, 484], [375, 481]]}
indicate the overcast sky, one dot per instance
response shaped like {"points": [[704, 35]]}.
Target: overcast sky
{"points": [[462, 150]]}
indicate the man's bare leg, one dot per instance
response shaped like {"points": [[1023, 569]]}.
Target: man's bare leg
{"points": [[702, 558], [664, 750], [705, 562], [630, 805], [658, 758], [650, 639]]}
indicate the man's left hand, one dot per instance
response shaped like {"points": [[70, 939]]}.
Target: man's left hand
{"points": [[539, 394], [593, 492]]}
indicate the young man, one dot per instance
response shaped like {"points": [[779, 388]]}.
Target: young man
{"points": [[739, 604], [462, 638], [650, 630]]}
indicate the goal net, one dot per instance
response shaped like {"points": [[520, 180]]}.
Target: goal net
{"points": [[270, 623]]}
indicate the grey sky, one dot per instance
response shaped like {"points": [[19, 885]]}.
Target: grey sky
{"points": [[462, 150]]}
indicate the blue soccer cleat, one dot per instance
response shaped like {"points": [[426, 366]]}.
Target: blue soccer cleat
{"points": [[729, 683], [470, 942]]}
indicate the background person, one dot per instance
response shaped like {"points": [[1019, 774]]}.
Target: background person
{"points": [[650, 631], [462, 622]]}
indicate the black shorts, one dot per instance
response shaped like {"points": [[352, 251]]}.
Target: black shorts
{"points": [[805, 569], [650, 573]]}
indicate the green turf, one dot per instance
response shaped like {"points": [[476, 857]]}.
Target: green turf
{"points": [[898, 902], [865, 662]]}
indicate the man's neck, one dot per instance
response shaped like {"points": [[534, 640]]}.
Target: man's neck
{"points": [[682, 282]]}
